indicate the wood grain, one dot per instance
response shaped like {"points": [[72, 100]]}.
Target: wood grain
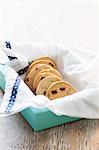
{"points": [[16, 134]]}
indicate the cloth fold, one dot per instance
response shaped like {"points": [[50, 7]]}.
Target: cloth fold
{"points": [[80, 68]]}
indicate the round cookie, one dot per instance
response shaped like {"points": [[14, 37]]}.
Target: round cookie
{"points": [[48, 62], [39, 77], [31, 75], [59, 89], [46, 58], [45, 83], [51, 70]]}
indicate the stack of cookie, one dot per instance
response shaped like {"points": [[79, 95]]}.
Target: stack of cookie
{"points": [[43, 78]]}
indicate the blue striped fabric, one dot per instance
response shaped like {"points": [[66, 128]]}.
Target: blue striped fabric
{"points": [[13, 95]]}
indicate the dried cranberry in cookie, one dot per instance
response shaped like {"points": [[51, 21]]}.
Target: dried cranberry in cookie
{"points": [[40, 77], [48, 62], [45, 83], [31, 75], [59, 89]]}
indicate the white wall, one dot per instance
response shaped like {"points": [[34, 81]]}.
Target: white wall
{"points": [[50, 21]]}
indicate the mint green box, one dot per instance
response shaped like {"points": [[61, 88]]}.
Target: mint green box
{"points": [[40, 119]]}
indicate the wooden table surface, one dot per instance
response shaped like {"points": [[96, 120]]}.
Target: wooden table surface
{"points": [[16, 134]]}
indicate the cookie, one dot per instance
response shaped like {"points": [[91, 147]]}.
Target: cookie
{"points": [[31, 75], [59, 89], [52, 70], [46, 58], [45, 83], [39, 77], [48, 62]]}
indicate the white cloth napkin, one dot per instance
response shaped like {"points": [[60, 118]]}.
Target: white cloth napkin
{"points": [[78, 66]]}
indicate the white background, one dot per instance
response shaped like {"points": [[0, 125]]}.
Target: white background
{"points": [[73, 23]]}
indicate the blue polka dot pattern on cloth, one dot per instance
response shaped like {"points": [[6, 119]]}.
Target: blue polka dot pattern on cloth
{"points": [[8, 44], [11, 57], [22, 71], [13, 95]]}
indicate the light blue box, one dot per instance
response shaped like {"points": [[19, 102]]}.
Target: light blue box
{"points": [[40, 119]]}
